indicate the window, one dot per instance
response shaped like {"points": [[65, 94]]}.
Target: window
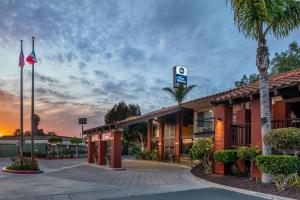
{"points": [[205, 122]]}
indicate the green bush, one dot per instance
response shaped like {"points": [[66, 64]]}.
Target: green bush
{"points": [[284, 139], [227, 156], [278, 164], [248, 153], [201, 152], [283, 168], [147, 155], [25, 164]]}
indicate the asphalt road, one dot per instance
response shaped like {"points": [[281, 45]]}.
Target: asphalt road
{"points": [[206, 193]]}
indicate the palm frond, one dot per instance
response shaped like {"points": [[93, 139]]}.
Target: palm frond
{"points": [[256, 18], [179, 93]]}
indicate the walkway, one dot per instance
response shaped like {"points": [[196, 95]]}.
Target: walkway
{"points": [[74, 179]]}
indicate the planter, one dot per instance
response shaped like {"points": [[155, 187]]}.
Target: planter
{"points": [[21, 171], [255, 172], [219, 168], [240, 163]]}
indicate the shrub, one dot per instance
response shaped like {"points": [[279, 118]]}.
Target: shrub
{"points": [[284, 139], [248, 153], [283, 168], [25, 164], [227, 156], [147, 155], [202, 150]]}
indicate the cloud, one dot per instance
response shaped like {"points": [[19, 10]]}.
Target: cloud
{"points": [[54, 94], [45, 79], [132, 54], [101, 74]]}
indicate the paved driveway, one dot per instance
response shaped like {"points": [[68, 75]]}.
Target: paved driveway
{"points": [[74, 179]]}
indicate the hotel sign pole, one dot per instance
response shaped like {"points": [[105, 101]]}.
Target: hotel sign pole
{"points": [[32, 108]]}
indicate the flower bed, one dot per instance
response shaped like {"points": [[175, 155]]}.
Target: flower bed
{"points": [[245, 183]]}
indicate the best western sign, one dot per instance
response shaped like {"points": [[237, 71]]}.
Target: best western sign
{"points": [[179, 75]]}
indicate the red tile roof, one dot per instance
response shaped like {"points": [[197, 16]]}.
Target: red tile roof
{"points": [[275, 82], [279, 81]]}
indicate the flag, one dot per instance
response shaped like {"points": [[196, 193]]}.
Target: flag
{"points": [[31, 59], [21, 59]]}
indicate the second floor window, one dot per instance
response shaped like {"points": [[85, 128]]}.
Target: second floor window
{"points": [[205, 121]]}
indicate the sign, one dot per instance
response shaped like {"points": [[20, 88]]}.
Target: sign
{"points": [[95, 138], [82, 121], [106, 137], [179, 75]]}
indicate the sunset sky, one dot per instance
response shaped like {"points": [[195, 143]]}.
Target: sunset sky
{"points": [[93, 54]]}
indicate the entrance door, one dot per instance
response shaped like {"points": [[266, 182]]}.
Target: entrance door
{"points": [[169, 140]]}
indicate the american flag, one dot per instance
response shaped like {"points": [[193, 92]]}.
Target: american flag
{"points": [[21, 59]]}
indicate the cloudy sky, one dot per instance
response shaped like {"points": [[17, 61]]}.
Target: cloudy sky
{"points": [[93, 54]]}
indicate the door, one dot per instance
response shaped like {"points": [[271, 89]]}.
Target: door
{"points": [[169, 141]]}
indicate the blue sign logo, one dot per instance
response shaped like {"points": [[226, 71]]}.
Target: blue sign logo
{"points": [[181, 70], [181, 79]]}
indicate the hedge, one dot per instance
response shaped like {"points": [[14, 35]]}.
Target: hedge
{"points": [[226, 156], [278, 164]]}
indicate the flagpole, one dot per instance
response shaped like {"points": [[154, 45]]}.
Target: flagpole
{"points": [[32, 108], [21, 109]]}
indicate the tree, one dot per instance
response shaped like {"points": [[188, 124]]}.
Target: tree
{"points": [[121, 111], [287, 60], [246, 80], [281, 62], [76, 141], [17, 132], [256, 19], [55, 141], [179, 93]]}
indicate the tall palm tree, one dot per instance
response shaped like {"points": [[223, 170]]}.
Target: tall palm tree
{"points": [[179, 93], [256, 19]]}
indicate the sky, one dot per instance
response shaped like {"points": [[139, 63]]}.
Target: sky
{"points": [[94, 53]]}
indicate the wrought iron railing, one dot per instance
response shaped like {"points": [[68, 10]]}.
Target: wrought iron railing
{"points": [[294, 122], [241, 134]]}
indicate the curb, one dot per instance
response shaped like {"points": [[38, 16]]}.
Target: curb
{"points": [[243, 191], [21, 171]]}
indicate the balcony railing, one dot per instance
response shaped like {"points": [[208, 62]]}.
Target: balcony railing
{"points": [[241, 134], [295, 122]]}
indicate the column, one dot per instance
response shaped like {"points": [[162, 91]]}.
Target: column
{"points": [[178, 130], [149, 134], [161, 140], [101, 151], [223, 121], [256, 137], [116, 149]]}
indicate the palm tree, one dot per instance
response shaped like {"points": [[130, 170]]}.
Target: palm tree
{"points": [[256, 19], [76, 141], [55, 141], [179, 93]]}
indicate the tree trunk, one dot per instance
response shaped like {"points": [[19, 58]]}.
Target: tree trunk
{"points": [[262, 63]]}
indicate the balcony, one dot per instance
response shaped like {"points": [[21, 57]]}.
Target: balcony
{"points": [[294, 122], [241, 133]]}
